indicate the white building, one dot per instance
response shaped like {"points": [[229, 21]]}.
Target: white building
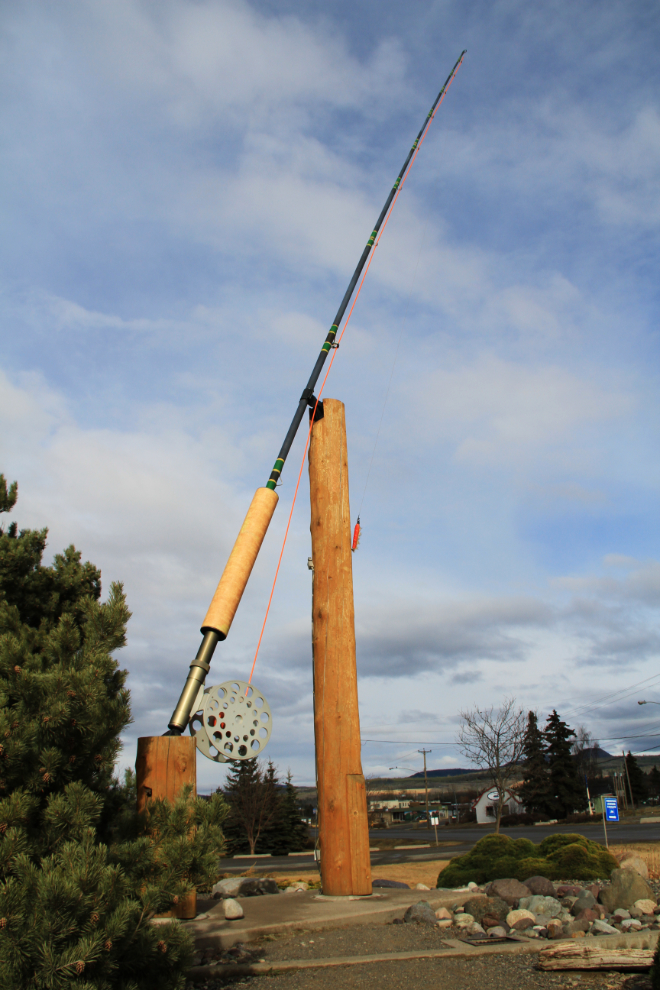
{"points": [[486, 806]]}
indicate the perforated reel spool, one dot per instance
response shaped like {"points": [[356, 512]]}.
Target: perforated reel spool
{"points": [[232, 721]]}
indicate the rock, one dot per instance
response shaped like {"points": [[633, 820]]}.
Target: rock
{"points": [[472, 885], [293, 890], [228, 887], [540, 885], [627, 886], [589, 914], [637, 864], [390, 883], [491, 921], [458, 909], [595, 889], [568, 890], [475, 929], [530, 933], [444, 923], [244, 887], [579, 925], [579, 934], [584, 900], [232, 909], [442, 914], [254, 886], [509, 890], [421, 886], [520, 919], [538, 904], [482, 906], [620, 914], [421, 913], [555, 928], [635, 912], [497, 932], [603, 927], [645, 906], [542, 920], [463, 920], [631, 924]]}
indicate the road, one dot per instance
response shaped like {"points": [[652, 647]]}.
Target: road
{"points": [[626, 831]]}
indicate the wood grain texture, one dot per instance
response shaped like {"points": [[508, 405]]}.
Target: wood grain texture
{"points": [[342, 806], [164, 766], [241, 561], [568, 955]]}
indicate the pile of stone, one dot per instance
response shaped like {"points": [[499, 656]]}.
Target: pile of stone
{"points": [[538, 908]]}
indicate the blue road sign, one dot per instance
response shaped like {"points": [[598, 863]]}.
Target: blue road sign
{"points": [[611, 809]]}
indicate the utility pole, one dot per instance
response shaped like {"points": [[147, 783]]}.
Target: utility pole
{"points": [[625, 763], [426, 788]]}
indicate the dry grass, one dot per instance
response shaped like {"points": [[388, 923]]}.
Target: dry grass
{"points": [[648, 851]]}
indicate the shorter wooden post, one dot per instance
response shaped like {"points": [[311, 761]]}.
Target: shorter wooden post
{"points": [[164, 766]]}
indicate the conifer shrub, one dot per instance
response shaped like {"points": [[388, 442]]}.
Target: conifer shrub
{"points": [[557, 857], [81, 874]]}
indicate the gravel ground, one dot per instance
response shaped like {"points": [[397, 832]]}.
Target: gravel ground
{"points": [[497, 972], [494, 973]]}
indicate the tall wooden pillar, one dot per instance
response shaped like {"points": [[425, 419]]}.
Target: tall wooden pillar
{"points": [[164, 766], [342, 804]]}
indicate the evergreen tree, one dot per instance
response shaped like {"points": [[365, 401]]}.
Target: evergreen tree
{"points": [[73, 908], [636, 780], [654, 782], [287, 832], [297, 829], [252, 797], [63, 702], [534, 792], [567, 792]]}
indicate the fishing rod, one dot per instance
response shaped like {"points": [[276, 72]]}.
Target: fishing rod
{"points": [[241, 560]]}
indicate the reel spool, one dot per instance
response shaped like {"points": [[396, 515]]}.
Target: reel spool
{"points": [[231, 721]]}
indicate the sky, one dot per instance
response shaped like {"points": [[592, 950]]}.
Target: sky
{"points": [[187, 187]]}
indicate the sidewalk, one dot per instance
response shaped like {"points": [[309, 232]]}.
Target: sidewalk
{"points": [[274, 913]]}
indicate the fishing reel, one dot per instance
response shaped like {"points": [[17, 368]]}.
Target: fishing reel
{"points": [[231, 721]]}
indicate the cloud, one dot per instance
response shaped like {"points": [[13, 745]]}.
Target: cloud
{"points": [[494, 409]]}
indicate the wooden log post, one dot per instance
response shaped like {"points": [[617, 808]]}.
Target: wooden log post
{"points": [[164, 766], [342, 804]]}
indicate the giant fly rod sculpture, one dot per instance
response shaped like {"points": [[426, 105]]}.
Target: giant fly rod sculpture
{"points": [[235, 721]]}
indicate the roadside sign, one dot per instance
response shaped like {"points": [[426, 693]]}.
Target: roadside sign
{"points": [[611, 809]]}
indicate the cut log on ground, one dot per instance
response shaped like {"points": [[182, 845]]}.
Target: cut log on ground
{"points": [[569, 955]]}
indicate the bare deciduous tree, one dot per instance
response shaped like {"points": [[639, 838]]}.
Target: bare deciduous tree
{"points": [[493, 739]]}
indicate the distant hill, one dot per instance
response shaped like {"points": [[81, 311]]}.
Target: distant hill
{"points": [[454, 772], [599, 754]]}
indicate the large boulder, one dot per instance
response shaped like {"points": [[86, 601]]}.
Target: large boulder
{"points": [[508, 889], [538, 904], [228, 887], [626, 887], [484, 907], [244, 887], [637, 864], [254, 886], [421, 913], [540, 885]]}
